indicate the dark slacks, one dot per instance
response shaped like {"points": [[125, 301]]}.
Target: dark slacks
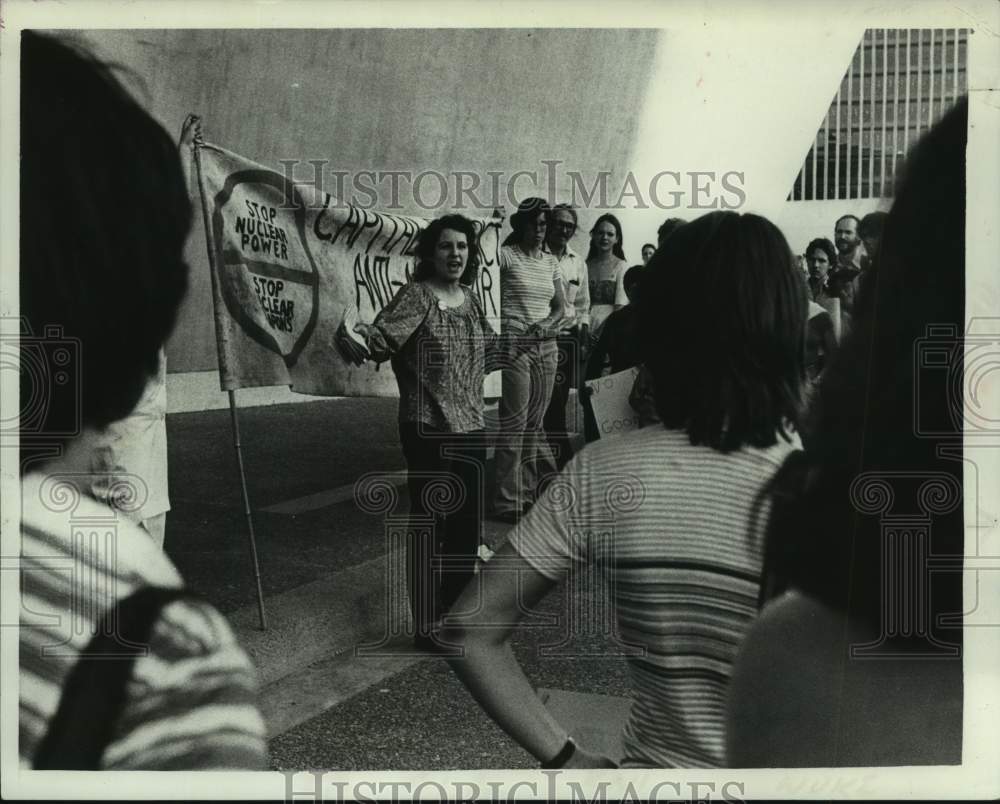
{"points": [[445, 478], [568, 368]]}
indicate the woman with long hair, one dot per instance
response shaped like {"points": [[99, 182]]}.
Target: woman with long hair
{"points": [[607, 266], [670, 515], [531, 295], [859, 661], [435, 334]]}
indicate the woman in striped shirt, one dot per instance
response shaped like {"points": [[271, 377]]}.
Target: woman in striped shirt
{"points": [[530, 295], [671, 515]]}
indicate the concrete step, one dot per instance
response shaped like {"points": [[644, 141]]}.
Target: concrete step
{"points": [[305, 693], [317, 619]]}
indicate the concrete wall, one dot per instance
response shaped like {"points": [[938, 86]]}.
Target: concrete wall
{"points": [[479, 100], [700, 98]]}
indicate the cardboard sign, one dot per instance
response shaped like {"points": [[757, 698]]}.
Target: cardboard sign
{"points": [[609, 400]]}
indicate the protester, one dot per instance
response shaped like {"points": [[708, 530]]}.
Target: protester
{"points": [[435, 333], [821, 256], [575, 335], [850, 249], [606, 267], [619, 347], [119, 668], [821, 342], [641, 398], [856, 664], [870, 230], [684, 554], [648, 250], [530, 294], [845, 278], [667, 228]]}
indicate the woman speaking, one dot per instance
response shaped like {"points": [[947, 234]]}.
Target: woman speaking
{"points": [[435, 334]]}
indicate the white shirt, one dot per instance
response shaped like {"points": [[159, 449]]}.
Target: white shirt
{"points": [[576, 287], [134, 450]]}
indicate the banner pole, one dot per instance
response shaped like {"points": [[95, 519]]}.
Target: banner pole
{"points": [[195, 122], [246, 508]]}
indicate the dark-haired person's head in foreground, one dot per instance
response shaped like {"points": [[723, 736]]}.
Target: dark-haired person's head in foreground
{"points": [[110, 275], [722, 320], [104, 217], [631, 281], [870, 673], [865, 414], [667, 228]]}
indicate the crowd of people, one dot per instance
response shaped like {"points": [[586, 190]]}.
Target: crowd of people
{"points": [[741, 569]]}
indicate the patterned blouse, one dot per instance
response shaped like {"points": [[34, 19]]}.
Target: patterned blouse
{"points": [[440, 356]]}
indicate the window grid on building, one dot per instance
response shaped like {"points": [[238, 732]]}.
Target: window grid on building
{"points": [[898, 84]]}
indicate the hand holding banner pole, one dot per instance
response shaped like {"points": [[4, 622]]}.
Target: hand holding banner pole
{"points": [[191, 135]]}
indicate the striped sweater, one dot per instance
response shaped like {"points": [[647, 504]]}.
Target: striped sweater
{"points": [[677, 531], [527, 285], [191, 701]]}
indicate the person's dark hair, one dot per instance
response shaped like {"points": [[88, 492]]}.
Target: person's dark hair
{"points": [[647, 245], [848, 216], [618, 249], [633, 276], [723, 320], [876, 398], [104, 218], [872, 224], [668, 227], [527, 212], [428, 240], [825, 246]]}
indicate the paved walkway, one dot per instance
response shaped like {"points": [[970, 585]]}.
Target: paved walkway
{"points": [[323, 562]]}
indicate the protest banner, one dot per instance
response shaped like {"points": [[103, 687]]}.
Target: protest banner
{"points": [[609, 401], [289, 261]]}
